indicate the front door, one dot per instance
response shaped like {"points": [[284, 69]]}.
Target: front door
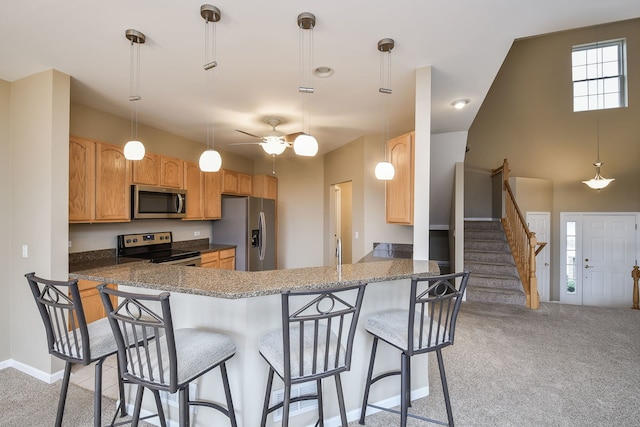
{"points": [[598, 252], [608, 250]]}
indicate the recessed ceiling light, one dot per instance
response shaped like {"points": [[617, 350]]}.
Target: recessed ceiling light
{"points": [[323, 71], [460, 103]]}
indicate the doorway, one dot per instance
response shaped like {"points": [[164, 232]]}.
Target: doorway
{"points": [[341, 224], [540, 223], [598, 252]]}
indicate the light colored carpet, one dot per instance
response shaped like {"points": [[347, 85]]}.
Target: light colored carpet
{"points": [[557, 366], [28, 402]]}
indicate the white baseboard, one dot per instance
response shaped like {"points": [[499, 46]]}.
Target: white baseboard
{"points": [[31, 371]]}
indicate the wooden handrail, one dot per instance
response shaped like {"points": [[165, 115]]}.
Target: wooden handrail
{"points": [[523, 242]]}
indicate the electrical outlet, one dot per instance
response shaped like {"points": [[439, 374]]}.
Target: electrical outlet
{"points": [[196, 233], [70, 243], [25, 251]]}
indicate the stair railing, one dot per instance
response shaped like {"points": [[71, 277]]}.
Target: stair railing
{"points": [[523, 242]]}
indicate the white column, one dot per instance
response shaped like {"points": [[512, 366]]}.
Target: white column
{"points": [[422, 164]]}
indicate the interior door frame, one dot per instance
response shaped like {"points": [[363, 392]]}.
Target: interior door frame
{"points": [[546, 254], [577, 217]]}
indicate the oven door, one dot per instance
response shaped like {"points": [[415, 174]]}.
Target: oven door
{"points": [[187, 262]]}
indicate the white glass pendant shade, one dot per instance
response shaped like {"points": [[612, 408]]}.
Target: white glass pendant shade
{"points": [[385, 171], [210, 161], [305, 145], [598, 182], [134, 150], [274, 146]]}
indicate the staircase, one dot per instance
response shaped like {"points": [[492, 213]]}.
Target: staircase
{"points": [[494, 276]]}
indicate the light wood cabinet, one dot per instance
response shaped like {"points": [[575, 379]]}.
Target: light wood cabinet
{"points": [[210, 260], [113, 182], [82, 176], [171, 173], [194, 186], [158, 170], [147, 170], [99, 182], [399, 190], [224, 259], [91, 302], [264, 186], [203, 193], [211, 195], [236, 183], [228, 259]]}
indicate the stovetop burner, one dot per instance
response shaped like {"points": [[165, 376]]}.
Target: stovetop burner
{"points": [[155, 247]]}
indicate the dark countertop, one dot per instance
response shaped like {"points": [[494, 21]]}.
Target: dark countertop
{"points": [[386, 251], [80, 261]]}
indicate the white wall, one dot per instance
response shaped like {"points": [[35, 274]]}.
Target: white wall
{"points": [[5, 218], [422, 169], [447, 149], [39, 203], [300, 211]]}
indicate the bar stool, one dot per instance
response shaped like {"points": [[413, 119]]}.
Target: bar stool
{"points": [[71, 339], [171, 361], [429, 325], [315, 342]]}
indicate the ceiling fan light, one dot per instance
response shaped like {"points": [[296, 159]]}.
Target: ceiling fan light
{"points": [[273, 146], [210, 161], [134, 150], [385, 171], [305, 145]]}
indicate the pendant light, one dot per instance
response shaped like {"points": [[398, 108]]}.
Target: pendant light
{"points": [[305, 144], [134, 149], [384, 170], [598, 182], [210, 160]]}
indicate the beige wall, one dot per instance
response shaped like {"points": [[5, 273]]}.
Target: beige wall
{"points": [[39, 203], [5, 218], [527, 117]]}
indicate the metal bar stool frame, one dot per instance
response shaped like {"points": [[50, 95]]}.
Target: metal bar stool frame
{"points": [[154, 363], [322, 330], [429, 327], [70, 339]]}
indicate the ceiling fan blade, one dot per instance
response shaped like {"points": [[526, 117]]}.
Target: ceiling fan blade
{"points": [[292, 136], [247, 143], [249, 134]]}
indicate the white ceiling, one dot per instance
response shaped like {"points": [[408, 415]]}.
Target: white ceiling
{"points": [[465, 41]]}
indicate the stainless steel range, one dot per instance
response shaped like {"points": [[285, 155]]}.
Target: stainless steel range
{"points": [[156, 247]]}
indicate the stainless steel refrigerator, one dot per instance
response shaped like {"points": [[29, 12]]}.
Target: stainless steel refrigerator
{"points": [[250, 224]]}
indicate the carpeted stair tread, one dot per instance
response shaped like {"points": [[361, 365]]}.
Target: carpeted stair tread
{"points": [[494, 276]]}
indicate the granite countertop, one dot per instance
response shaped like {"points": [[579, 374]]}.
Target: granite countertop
{"points": [[79, 261], [244, 284]]}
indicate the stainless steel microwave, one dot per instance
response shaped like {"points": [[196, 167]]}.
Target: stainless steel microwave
{"points": [[157, 202]]}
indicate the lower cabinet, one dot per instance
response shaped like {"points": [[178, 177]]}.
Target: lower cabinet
{"points": [[91, 302], [224, 259]]}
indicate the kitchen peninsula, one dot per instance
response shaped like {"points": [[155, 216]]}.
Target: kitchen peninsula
{"points": [[245, 305]]}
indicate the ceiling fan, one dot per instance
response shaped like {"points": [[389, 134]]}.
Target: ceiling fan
{"points": [[272, 142]]}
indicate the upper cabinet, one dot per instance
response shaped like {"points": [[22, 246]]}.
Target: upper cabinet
{"points": [[264, 186], [99, 182], [113, 184], [236, 183], [159, 170], [203, 193], [82, 178], [399, 190], [147, 170], [171, 174]]}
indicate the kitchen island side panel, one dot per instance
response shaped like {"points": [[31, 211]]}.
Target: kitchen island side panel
{"points": [[245, 320]]}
